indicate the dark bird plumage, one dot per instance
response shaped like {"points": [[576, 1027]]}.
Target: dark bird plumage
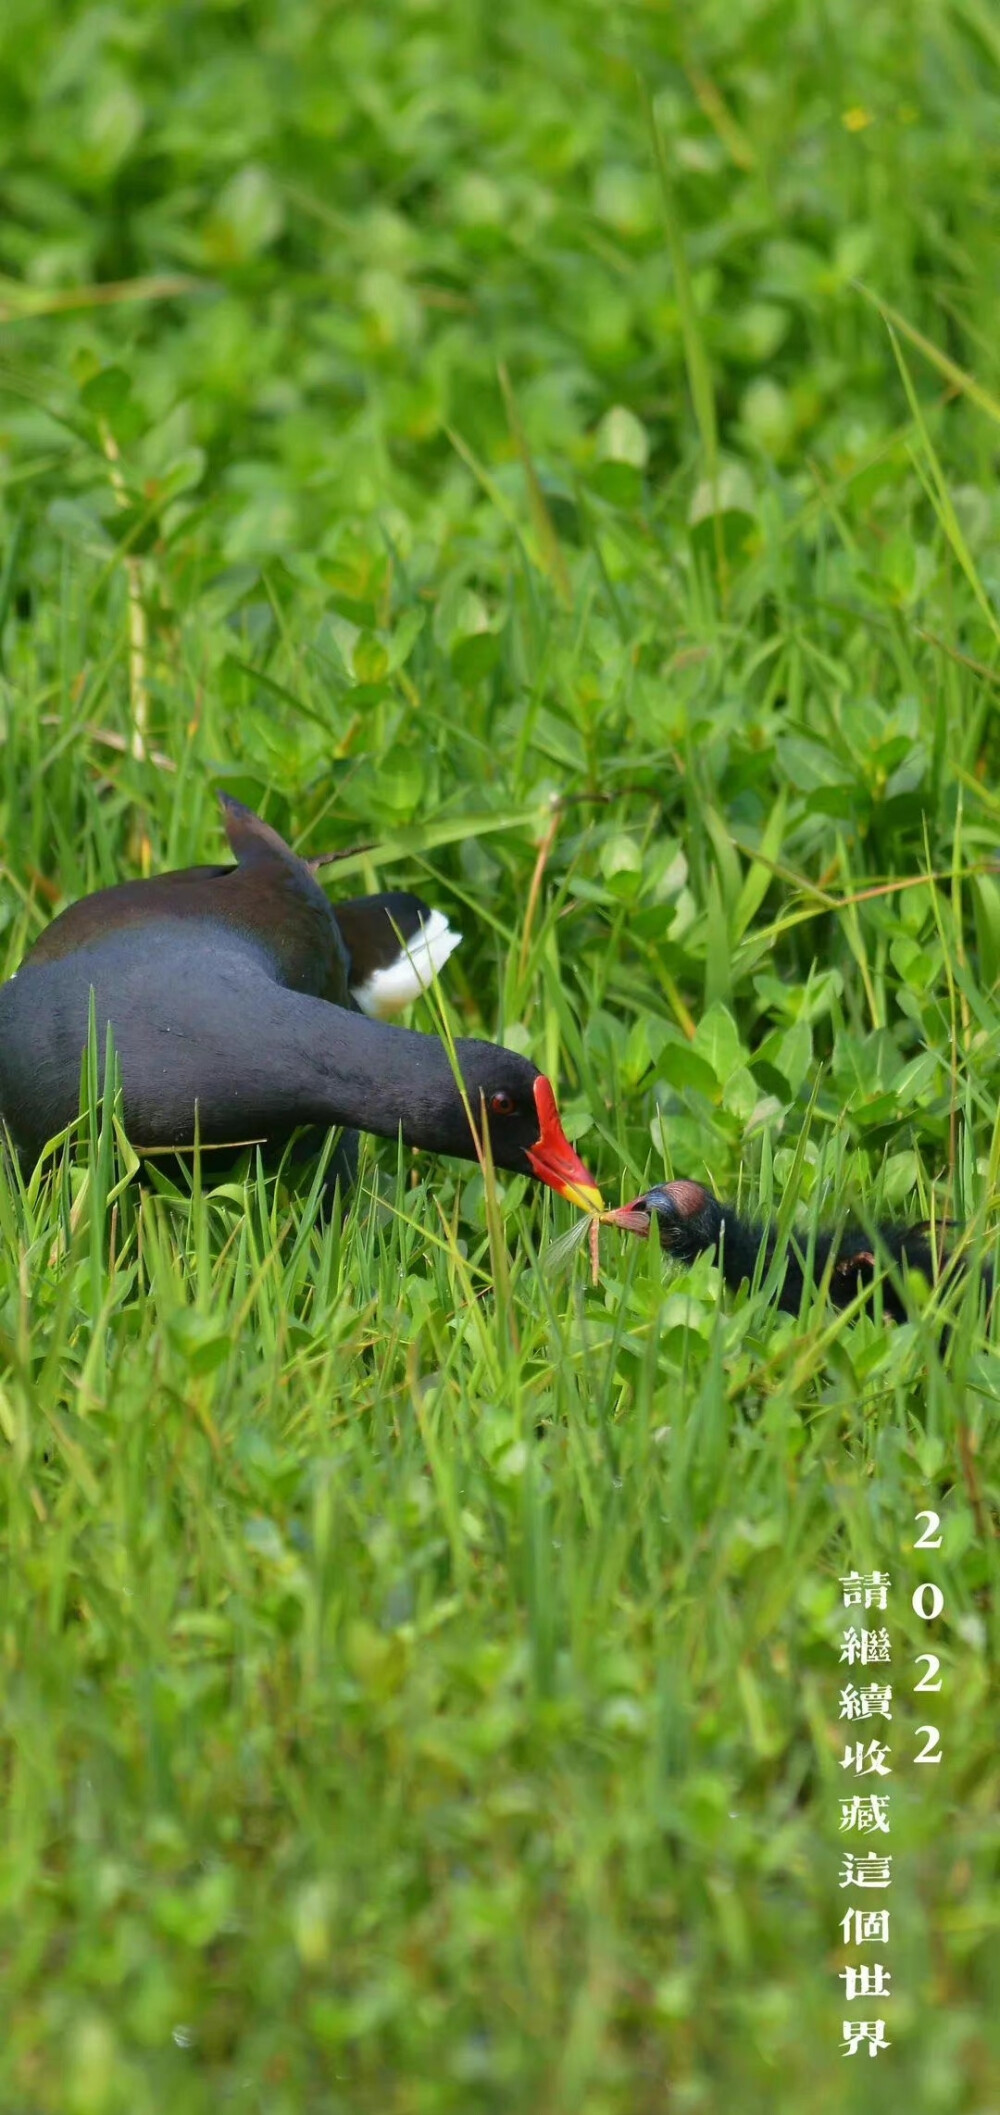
{"points": [[230, 993], [378, 951], [691, 1222]]}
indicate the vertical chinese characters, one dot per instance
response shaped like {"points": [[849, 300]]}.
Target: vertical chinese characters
{"points": [[866, 1705], [866, 1812]]}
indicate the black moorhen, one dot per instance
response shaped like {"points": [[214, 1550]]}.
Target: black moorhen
{"points": [[395, 944], [238, 998], [691, 1222]]}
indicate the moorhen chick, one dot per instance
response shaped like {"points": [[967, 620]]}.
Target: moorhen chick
{"points": [[691, 1222], [240, 1002]]}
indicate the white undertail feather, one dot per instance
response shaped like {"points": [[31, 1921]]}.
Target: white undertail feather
{"points": [[388, 990]]}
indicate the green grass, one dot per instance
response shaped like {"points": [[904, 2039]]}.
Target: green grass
{"points": [[557, 446]]}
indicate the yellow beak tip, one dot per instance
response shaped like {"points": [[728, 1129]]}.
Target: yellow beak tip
{"points": [[586, 1195]]}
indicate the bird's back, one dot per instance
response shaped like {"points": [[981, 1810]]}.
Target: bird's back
{"points": [[196, 1017], [278, 909]]}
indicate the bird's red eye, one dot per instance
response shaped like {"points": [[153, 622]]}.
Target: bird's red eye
{"points": [[502, 1104]]}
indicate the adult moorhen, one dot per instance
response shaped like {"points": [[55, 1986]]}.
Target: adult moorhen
{"points": [[395, 944], [691, 1222], [239, 1002]]}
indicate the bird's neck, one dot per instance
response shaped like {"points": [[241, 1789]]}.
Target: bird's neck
{"points": [[368, 1074]]}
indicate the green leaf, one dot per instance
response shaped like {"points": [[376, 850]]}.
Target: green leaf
{"points": [[681, 1067], [247, 217], [107, 392], [622, 438]]}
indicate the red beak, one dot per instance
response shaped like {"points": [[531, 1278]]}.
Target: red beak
{"points": [[630, 1218], [553, 1160]]}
